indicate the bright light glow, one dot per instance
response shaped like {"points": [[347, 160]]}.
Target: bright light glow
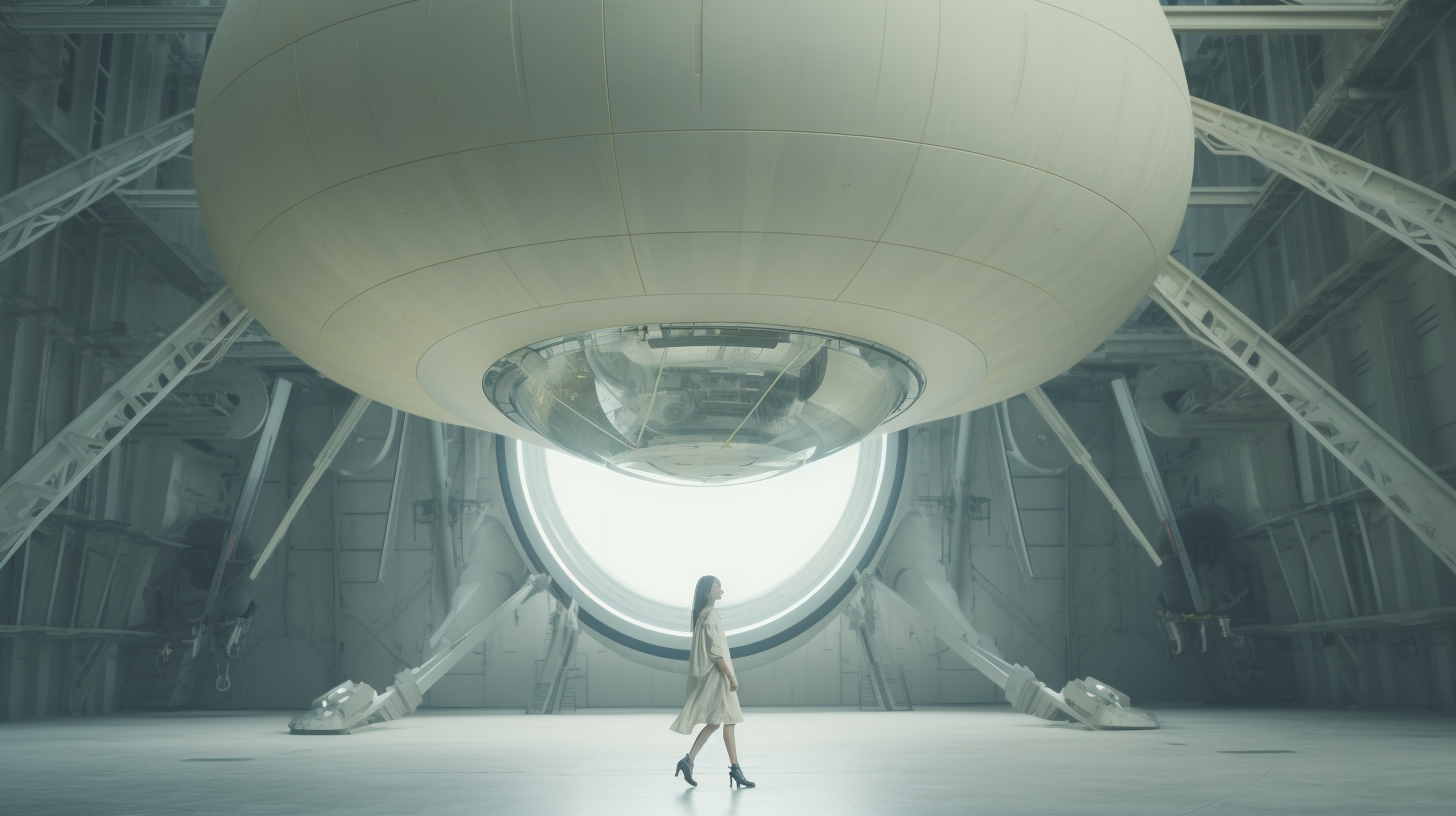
{"points": [[659, 538]]}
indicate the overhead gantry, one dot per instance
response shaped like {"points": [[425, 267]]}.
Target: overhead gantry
{"points": [[1329, 16]]}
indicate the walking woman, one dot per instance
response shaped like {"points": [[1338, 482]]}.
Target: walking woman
{"points": [[712, 686]]}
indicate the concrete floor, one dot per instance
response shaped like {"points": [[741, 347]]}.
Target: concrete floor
{"points": [[959, 760]]}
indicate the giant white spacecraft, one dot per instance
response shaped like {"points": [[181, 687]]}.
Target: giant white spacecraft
{"points": [[695, 242]]}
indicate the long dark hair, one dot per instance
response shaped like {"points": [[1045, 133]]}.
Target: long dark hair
{"points": [[700, 596]]}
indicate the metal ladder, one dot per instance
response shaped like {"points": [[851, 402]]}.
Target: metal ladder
{"points": [[881, 683], [555, 691]]}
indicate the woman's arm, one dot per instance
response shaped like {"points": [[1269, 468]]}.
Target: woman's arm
{"points": [[727, 672], [718, 646]]}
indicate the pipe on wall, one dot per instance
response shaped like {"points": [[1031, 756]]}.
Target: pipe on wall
{"points": [[450, 560]]}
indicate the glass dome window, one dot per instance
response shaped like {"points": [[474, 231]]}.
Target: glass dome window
{"points": [[703, 404]]}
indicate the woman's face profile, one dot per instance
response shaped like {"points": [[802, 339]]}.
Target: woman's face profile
{"points": [[716, 592]]}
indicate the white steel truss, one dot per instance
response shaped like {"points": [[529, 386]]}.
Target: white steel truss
{"points": [[37, 208], [1422, 218], [37, 487], [1330, 16], [1414, 494]]}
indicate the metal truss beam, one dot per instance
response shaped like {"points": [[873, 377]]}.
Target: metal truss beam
{"points": [[37, 208], [1304, 19], [1414, 494], [55, 19], [1424, 617], [66, 633], [1220, 196], [41, 484], [1422, 218], [187, 199], [1337, 118], [1074, 446]]}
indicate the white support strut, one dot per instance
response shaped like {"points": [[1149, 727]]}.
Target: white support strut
{"points": [[350, 705], [1074, 446], [1423, 219], [54, 18], [1018, 533], [1088, 701], [1157, 489], [1414, 494], [37, 208], [1328, 17], [320, 466], [37, 487]]}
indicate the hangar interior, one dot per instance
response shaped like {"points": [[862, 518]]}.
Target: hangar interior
{"points": [[1222, 505]]}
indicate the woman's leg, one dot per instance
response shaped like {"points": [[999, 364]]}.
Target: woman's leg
{"points": [[702, 738], [731, 744]]}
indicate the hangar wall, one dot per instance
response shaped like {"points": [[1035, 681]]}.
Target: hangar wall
{"points": [[80, 604]]}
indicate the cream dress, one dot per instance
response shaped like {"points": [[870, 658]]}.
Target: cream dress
{"points": [[709, 700]]}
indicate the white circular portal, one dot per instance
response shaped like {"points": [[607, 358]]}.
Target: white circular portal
{"points": [[659, 538], [787, 567]]}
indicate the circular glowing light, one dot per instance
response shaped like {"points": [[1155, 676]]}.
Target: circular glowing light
{"points": [[659, 538], [629, 551]]}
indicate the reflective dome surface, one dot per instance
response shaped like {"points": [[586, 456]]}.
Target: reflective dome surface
{"points": [[703, 404]]}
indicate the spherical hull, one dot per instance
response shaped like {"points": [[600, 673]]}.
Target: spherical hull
{"points": [[406, 192]]}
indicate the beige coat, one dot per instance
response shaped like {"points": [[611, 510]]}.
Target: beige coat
{"points": [[708, 700]]}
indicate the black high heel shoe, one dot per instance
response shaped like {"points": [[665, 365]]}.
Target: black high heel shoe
{"points": [[735, 774], [685, 767]]}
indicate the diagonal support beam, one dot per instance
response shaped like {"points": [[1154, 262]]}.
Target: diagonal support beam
{"points": [[37, 487], [1417, 496], [350, 705], [396, 491], [1018, 534], [251, 490], [40, 206], [1224, 196], [320, 467], [1074, 446], [1422, 218], [1094, 704], [1157, 491]]}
